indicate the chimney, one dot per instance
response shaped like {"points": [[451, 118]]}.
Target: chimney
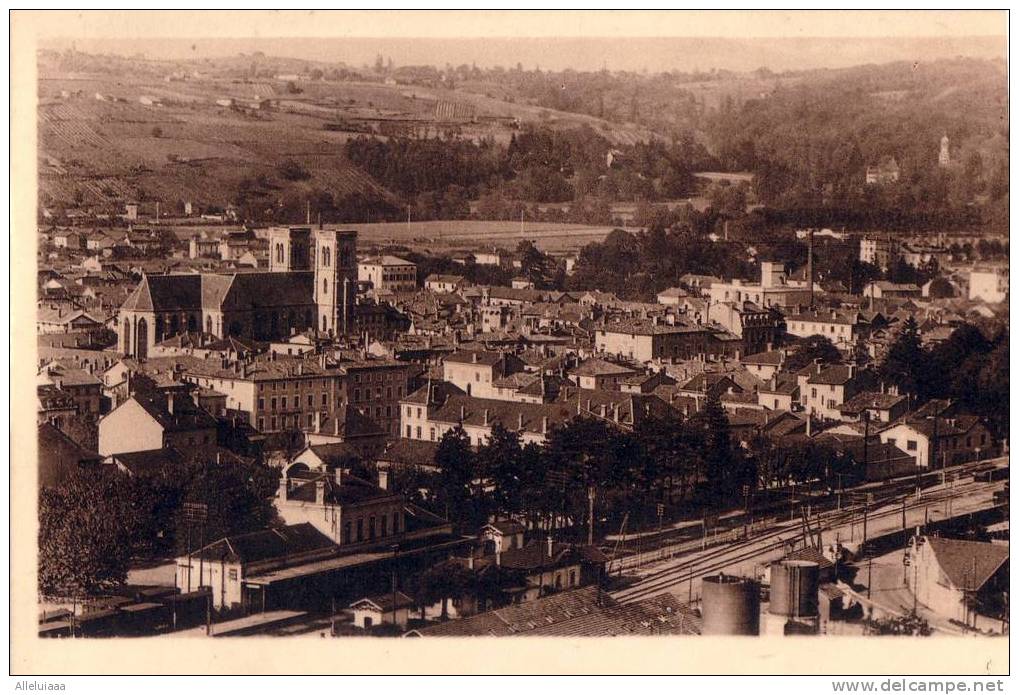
{"points": [[603, 410], [474, 357], [463, 413], [486, 416], [169, 402], [284, 487], [549, 543], [809, 423], [384, 479], [320, 491], [498, 556], [338, 475], [520, 421], [544, 424]]}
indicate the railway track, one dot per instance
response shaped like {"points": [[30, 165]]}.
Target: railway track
{"points": [[720, 558]]}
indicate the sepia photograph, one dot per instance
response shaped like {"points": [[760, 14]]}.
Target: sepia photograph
{"points": [[345, 332]]}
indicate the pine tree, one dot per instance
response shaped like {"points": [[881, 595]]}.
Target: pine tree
{"points": [[904, 364]]}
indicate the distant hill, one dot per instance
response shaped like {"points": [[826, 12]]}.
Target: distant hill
{"points": [[685, 54]]}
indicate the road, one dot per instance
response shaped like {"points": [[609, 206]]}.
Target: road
{"points": [[681, 574]]}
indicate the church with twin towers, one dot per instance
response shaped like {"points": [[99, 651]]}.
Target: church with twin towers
{"points": [[311, 284]]}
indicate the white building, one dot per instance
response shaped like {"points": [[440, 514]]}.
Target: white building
{"points": [[388, 273], [990, 285], [774, 289]]}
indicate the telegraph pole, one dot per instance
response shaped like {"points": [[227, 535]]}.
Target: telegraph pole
{"points": [[590, 514], [810, 264]]}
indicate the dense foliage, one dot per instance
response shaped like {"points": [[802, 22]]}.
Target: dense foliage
{"points": [[94, 523], [970, 368], [691, 467], [637, 266]]}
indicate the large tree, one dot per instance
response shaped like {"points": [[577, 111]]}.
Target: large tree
{"points": [[457, 476], [906, 362], [85, 535], [814, 347]]}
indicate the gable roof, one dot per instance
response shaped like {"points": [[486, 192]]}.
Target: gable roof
{"points": [[384, 602], [59, 456], [968, 564], [269, 544]]}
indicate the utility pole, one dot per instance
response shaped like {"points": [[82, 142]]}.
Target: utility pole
{"points": [[810, 264], [590, 514], [396, 549], [870, 562]]}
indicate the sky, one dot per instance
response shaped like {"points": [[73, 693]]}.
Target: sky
{"points": [[583, 40]]}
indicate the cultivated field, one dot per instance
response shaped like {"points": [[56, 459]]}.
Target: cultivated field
{"points": [[107, 138]]}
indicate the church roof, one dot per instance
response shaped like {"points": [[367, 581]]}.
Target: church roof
{"points": [[213, 291]]}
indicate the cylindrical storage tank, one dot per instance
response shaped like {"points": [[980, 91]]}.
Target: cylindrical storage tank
{"points": [[794, 585], [731, 605]]}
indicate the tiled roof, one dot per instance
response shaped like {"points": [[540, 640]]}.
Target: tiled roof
{"points": [[968, 564], [580, 612], [772, 357], [410, 452], [595, 366], [833, 375], [351, 490], [649, 327], [871, 399], [384, 602], [186, 415], [60, 456], [270, 544]]}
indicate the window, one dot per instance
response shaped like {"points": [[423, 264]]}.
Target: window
{"points": [[357, 394], [261, 404], [891, 441], [911, 445], [346, 532], [573, 577], [385, 525], [431, 433], [325, 399], [311, 400], [419, 431], [813, 393], [408, 432], [325, 286], [273, 426], [419, 412], [371, 528], [360, 530], [389, 411], [284, 402], [261, 424], [311, 419], [232, 575], [396, 522]]}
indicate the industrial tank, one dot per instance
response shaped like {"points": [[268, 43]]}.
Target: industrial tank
{"points": [[731, 606], [794, 585]]}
